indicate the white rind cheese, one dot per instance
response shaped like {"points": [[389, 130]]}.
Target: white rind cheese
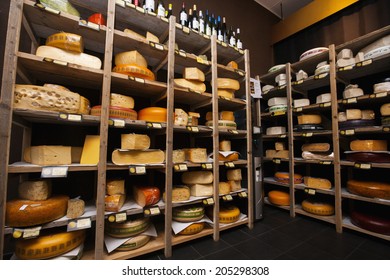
{"points": [[193, 73], [326, 97], [130, 57], [202, 190], [301, 102], [345, 54], [275, 130], [352, 91], [354, 114], [277, 101]]}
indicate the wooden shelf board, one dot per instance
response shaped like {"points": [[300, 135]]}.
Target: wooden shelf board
{"points": [[312, 108], [271, 115], [373, 165], [202, 129], [312, 83], [234, 104], [311, 161], [346, 194], [271, 159], [273, 137], [112, 166], [308, 65], [179, 239], [184, 96], [266, 201], [365, 130], [228, 72], [367, 99], [232, 225], [275, 92], [315, 133], [329, 219], [23, 167], [348, 224], [269, 77], [239, 134], [272, 181], [304, 187]]}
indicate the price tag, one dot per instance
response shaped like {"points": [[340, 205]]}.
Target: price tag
{"points": [[362, 165], [350, 132], [193, 128], [31, 232], [117, 123], [70, 117], [139, 80], [164, 19], [180, 167], [320, 76], [140, 9], [243, 195], [54, 172], [47, 9], [326, 104], [152, 13], [137, 170], [282, 135], [118, 217], [241, 51], [154, 125], [207, 166], [208, 201], [206, 36], [364, 63], [60, 62], [157, 46], [201, 61], [224, 44], [299, 109], [278, 113], [152, 211], [386, 129], [307, 134], [299, 82], [120, 3], [229, 164], [350, 100], [345, 68], [239, 72], [325, 162], [186, 30], [282, 87], [310, 191], [233, 131], [277, 160], [227, 197], [79, 224]]}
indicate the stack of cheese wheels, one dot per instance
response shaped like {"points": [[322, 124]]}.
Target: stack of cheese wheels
{"points": [[280, 198], [153, 114], [48, 245], [133, 64], [317, 151], [277, 105], [226, 120], [146, 195], [228, 213], [180, 193], [227, 87], [191, 214], [234, 177], [200, 182], [284, 177], [318, 207], [68, 47], [35, 205], [369, 188], [309, 122], [368, 151], [193, 79], [50, 98], [352, 118], [128, 228], [385, 113], [225, 151], [121, 107], [372, 218], [115, 195], [280, 151]]}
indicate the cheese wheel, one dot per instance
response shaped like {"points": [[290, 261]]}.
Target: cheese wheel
{"points": [[301, 102], [223, 124], [188, 214], [120, 100], [368, 145], [279, 198], [81, 59], [153, 114], [128, 228], [146, 196], [231, 157], [228, 214], [202, 189], [234, 174], [134, 70], [131, 57], [309, 119], [66, 41], [192, 229], [134, 141], [197, 177], [190, 84], [275, 130], [226, 116], [224, 188], [35, 190], [226, 83], [115, 186], [371, 221], [114, 203], [115, 112], [196, 155], [25, 213], [179, 193], [76, 208], [278, 108], [317, 183], [369, 189], [227, 93], [129, 157], [194, 74], [315, 147], [134, 243], [317, 207], [371, 157], [385, 110], [284, 177], [225, 145], [134, 35], [277, 101], [48, 245], [232, 64]]}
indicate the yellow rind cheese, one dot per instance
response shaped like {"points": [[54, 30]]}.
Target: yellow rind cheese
{"points": [[66, 41], [226, 83], [225, 145], [193, 74], [114, 203], [227, 93], [317, 183], [134, 243], [368, 145], [153, 114], [128, 228], [279, 198], [192, 85], [196, 155], [91, 148], [192, 229], [317, 207], [197, 177], [224, 188], [134, 70], [115, 186], [138, 157], [309, 119], [229, 214], [130, 57]]}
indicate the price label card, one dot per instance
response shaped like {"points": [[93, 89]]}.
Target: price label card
{"points": [[70, 117], [152, 211], [54, 172], [208, 201], [139, 80], [282, 87], [207, 166], [129, 4], [152, 13], [325, 162], [350, 100], [362, 165], [180, 167], [31, 232], [350, 132], [243, 195], [140, 9], [326, 104], [229, 164], [120, 217], [201, 61], [299, 82], [157, 46], [282, 135], [224, 44], [227, 197], [186, 30], [307, 134], [278, 113], [48, 9], [137, 170], [364, 63], [386, 129], [120, 3], [239, 72], [183, 53], [206, 36], [310, 191], [233, 131], [154, 125], [241, 51], [193, 128], [179, 26], [277, 160], [381, 94], [345, 68], [79, 224], [320, 76], [117, 123]]}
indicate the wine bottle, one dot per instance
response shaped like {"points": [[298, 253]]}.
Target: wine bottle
{"points": [[238, 39], [183, 16], [208, 25], [214, 26], [232, 37], [168, 12], [189, 21], [161, 8], [149, 5], [201, 23], [195, 19], [219, 30], [224, 31]]}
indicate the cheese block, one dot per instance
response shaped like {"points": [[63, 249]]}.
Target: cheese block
{"points": [[231, 157], [345, 54], [280, 79], [134, 70], [284, 177], [301, 75], [301, 102], [317, 207], [26, 213], [134, 243], [279, 198], [227, 93], [115, 186], [193, 74], [134, 34], [178, 156], [224, 188], [35, 190], [48, 155], [193, 118], [134, 141], [315, 147], [359, 57], [188, 214], [48, 245], [223, 124], [232, 64], [115, 112], [76, 208], [226, 116], [275, 130], [229, 214], [369, 189], [309, 119], [235, 185], [277, 101], [385, 110], [90, 154], [153, 114], [180, 193], [368, 145], [66, 41], [371, 220], [192, 229], [368, 115], [277, 154], [342, 116], [128, 228], [51, 99], [197, 177], [234, 174], [61, 5], [114, 203], [181, 117], [382, 87], [81, 59], [322, 98], [196, 155], [342, 62], [128, 157], [130, 57], [278, 108], [192, 85], [151, 37], [225, 145], [226, 83], [318, 155], [378, 44], [120, 100], [317, 183], [351, 91], [353, 114], [146, 195], [280, 146], [202, 190]]}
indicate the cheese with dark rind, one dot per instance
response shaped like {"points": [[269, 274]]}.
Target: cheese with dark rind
{"points": [[134, 243], [188, 213], [134, 70], [35, 190], [115, 112], [371, 221], [368, 145], [129, 157], [193, 229], [48, 245], [153, 114], [66, 41], [25, 213], [146, 195], [197, 177], [279, 198], [284, 177], [134, 141], [128, 228], [114, 203], [317, 207], [371, 157], [369, 188]]}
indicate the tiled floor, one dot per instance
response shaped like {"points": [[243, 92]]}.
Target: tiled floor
{"points": [[279, 237]]}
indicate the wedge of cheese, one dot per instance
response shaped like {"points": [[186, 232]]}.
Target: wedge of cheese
{"points": [[368, 145], [66, 41], [120, 100], [385, 109], [317, 183], [192, 85], [202, 190], [235, 185], [280, 146], [90, 154], [178, 156], [276, 154], [114, 203], [232, 64], [152, 38], [351, 91], [115, 186], [130, 57], [226, 83], [368, 115], [193, 118], [301, 102], [225, 145], [193, 74], [48, 155], [196, 155], [181, 117], [197, 177], [81, 59], [146, 195], [224, 188], [128, 157], [76, 208], [35, 190], [134, 141], [179, 193]]}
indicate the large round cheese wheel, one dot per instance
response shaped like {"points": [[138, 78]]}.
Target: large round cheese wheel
{"points": [[227, 93], [115, 112], [284, 177], [193, 229], [229, 214], [120, 100], [385, 109], [363, 157], [48, 245], [25, 213], [312, 52], [188, 213], [368, 145], [134, 70], [309, 119], [66, 41], [130, 57], [350, 124], [223, 124], [153, 114], [364, 218], [134, 243], [226, 83], [280, 198], [317, 207], [369, 189], [128, 228]]}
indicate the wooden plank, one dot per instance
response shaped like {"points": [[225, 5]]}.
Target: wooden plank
{"points": [[6, 101], [34, 42]]}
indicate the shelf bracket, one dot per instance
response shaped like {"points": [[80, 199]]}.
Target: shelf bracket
{"points": [[163, 95], [21, 71], [201, 105], [205, 49], [160, 65]]}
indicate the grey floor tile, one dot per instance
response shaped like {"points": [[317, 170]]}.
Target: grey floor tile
{"points": [[182, 252], [234, 236], [207, 245], [378, 248], [279, 240], [256, 249], [227, 254], [258, 228], [306, 251]]}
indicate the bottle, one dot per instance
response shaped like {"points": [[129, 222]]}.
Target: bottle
{"points": [[168, 12], [189, 21], [149, 5], [136, 3], [183, 16], [195, 19], [208, 25], [232, 37], [219, 30], [214, 26], [161, 8], [238, 39], [224, 31], [202, 27]]}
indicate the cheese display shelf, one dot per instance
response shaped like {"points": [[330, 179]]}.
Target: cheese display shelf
{"points": [[313, 133], [366, 99], [313, 161], [104, 43], [346, 194], [266, 201], [349, 225], [313, 191], [312, 82], [328, 219], [365, 165], [272, 181]]}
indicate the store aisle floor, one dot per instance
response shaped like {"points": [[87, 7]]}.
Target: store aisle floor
{"points": [[280, 237]]}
